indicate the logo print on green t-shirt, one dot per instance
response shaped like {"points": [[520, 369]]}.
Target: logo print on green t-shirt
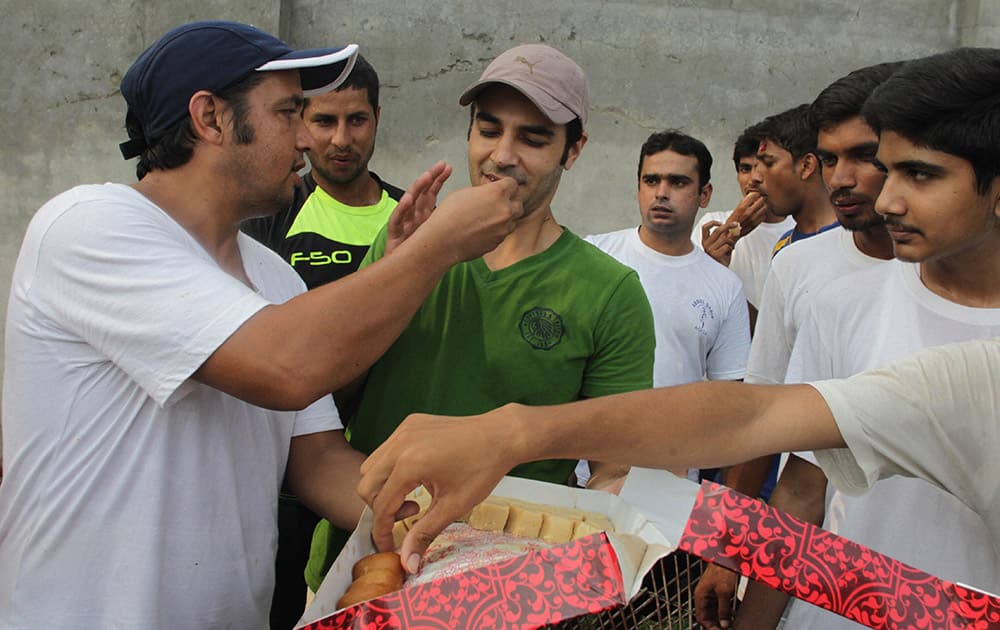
{"points": [[542, 328]]}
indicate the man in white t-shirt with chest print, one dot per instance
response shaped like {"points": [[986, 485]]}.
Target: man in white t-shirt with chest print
{"points": [[699, 309]]}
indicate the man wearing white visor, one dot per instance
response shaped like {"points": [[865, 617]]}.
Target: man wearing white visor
{"points": [[154, 392]]}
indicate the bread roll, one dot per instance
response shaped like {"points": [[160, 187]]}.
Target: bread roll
{"points": [[360, 592], [391, 580], [374, 575], [386, 560]]}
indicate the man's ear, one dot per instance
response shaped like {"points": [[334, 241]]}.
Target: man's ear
{"points": [[206, 116], [574, 151], [995, 192], [808, 165], [705, 195]]}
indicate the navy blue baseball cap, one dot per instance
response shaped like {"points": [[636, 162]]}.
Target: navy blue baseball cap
{"points": [[213, 55]]}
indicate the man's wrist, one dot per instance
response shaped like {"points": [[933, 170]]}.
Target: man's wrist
{"points": [[526, 437]]}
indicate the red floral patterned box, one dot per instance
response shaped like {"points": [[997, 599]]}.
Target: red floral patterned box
{"points": [[533, 590], [812, 564]]}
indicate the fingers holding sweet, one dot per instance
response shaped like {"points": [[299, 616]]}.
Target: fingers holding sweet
{"points": [[749, 213], [717, 240], [473, 221]]}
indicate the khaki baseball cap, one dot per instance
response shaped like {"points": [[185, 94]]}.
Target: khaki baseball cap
{"points": [[548, 78]]}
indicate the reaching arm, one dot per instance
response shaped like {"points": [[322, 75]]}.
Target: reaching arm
{"points": [[460, 461], [343, 327], [323, 473]]}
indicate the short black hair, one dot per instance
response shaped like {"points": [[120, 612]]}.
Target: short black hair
{"points": [[746, 145], [362, 77], [792, 130], [844, 98], [947, 102], [176, 146], [678, 142], [574, 131]]}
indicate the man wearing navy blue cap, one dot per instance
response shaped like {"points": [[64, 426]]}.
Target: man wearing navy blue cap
{"points": [[154, 391]]}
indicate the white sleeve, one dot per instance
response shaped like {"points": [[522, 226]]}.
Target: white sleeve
{"points": [[932, 415], [771, 347], [811, 358], [727, 359], [130, 283], [322, 415]]}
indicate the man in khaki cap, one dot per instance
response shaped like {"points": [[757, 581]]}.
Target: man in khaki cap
{"points": [[545, 317]]}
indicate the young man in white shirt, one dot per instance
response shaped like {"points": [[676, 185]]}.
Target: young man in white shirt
{"points": [[845, 147], [787, 173], [748, 255], [699, 310], [940, 202], [698, 305]]}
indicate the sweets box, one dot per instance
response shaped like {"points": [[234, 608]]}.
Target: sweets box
{"points": [[540, 588], [600, 575], [827, 570]]}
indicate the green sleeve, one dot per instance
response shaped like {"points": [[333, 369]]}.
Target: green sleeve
{"points": [[377, 250], [625, 343]]}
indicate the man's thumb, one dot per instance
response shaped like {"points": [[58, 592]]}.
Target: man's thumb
{"points": [[420, 536]]}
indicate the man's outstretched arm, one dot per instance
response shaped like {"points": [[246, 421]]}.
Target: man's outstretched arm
{"points": [[460, 460], [346, 325]]}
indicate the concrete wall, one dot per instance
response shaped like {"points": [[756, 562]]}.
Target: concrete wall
{"points": [[979, 23], [708, 66]]}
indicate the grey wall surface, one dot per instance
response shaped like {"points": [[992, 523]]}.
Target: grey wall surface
{"points": [[709, 67]]}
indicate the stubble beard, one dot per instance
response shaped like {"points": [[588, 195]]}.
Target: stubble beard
{"points": [[340, 179], [859, 224]]}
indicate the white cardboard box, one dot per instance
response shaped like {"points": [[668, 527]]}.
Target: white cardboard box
{"points": [[649, 517]]}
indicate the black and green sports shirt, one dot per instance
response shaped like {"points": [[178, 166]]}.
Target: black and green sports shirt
{"points": [[321, 238]]}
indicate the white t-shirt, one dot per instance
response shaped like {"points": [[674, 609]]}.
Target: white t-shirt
{"points": [[934, 415], [802, 269], [752, 255], [699, 314], [865, 321], [699, 311], [132, 495]]}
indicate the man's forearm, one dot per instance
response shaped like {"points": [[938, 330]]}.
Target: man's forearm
{"points": [[459, 460], [323, 472], [697, 425], [288, 355]]}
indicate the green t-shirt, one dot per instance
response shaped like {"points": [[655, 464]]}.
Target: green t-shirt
{"points": [[567, 323]]}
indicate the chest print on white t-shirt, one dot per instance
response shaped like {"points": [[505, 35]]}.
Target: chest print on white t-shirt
{"points": [[703, 313]]}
